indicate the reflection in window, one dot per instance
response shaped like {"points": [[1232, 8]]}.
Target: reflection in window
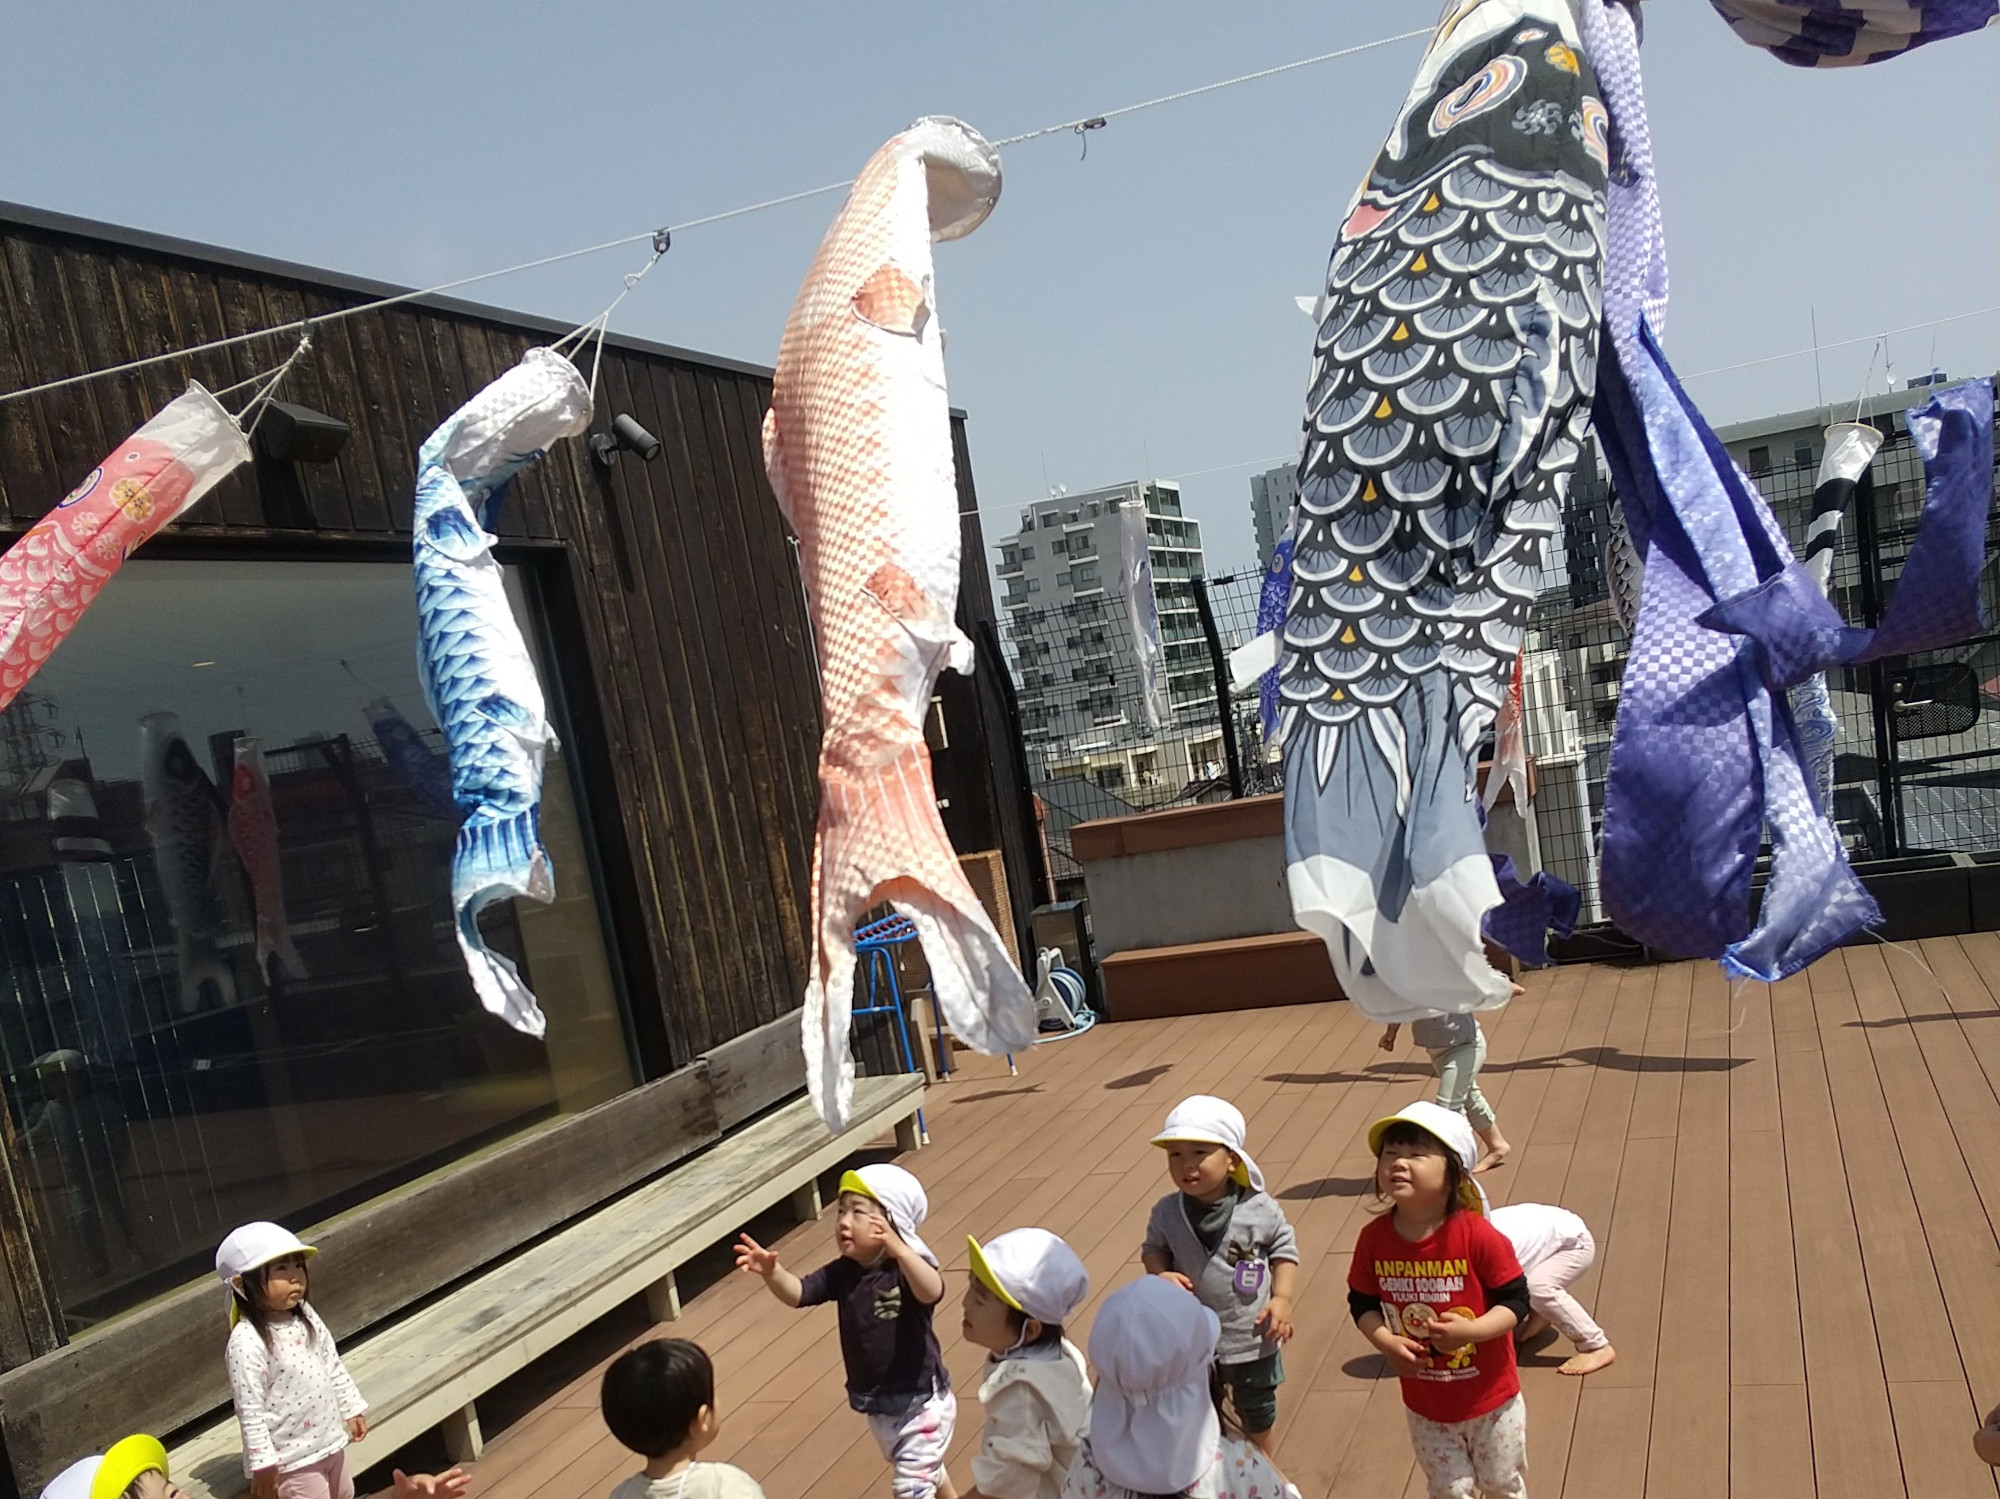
{"points": [[194, 1035]]}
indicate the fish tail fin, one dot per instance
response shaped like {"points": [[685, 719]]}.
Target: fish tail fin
{"points": [[497, 857], [880, 839], [203, 968], [284, 950], [1385, 860]]}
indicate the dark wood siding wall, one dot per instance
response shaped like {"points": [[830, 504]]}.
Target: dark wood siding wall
{"points": [[673, 585]]}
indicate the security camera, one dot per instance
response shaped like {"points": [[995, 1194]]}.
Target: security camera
{"points": [[627, 434]]}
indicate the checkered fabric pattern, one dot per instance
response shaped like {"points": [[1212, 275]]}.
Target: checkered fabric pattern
{"points": [[1820, 34]]}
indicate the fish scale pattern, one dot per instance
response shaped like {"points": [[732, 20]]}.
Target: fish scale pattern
{"points": [[858, 447], [1450, 401]]}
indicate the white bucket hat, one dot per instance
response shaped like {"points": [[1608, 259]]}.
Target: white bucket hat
{"points": [[1033, 1271], [255, 1245], [899, 1195], [252, 1247], [1153, 1427], [1213, 1121], [75, 1480], [1451, 1130]]}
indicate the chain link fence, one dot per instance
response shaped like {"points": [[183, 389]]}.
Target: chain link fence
{"points": [[1917, 768]]}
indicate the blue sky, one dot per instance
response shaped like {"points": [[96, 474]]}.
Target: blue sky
{"points": [[1124, 314]]}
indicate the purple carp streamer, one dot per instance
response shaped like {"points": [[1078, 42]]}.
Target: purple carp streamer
{"points": [[1450, 398], [1818, 34], [1705, 760]]}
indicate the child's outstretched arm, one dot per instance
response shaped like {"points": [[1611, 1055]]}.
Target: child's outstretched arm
{"points": [[753, 1258]]}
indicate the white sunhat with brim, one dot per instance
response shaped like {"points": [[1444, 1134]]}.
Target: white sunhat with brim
{"points": [[1033, 1271], [1208, 1120], [1451, 1130], [75, 1480], [252, 1247], [899, 1195], [1153, 1427]]}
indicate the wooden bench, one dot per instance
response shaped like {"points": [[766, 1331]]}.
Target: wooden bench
{"points": [[429, 1368]]}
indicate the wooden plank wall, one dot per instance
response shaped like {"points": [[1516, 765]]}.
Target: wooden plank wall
{"points": [[677, 575]]}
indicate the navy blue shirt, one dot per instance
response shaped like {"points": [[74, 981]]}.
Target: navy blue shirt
{"points": [[886, 1339]]}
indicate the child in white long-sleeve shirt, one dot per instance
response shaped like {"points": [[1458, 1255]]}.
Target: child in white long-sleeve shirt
{"points": [[1035, 1388], [296, 1404]]}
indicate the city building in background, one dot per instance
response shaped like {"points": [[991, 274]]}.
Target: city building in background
{"points": [[1272, 495], [1071, 640]]}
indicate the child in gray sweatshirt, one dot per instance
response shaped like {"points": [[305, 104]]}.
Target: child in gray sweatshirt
{"points": [[1221, 1236]]}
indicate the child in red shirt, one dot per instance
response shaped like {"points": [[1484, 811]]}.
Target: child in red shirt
{"points": [[1438, 1290]]}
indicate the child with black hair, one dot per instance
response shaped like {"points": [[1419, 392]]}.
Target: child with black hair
{"points": [[886, 1285], [1437, 1289], [1024, 1285], [295, 1401], [659, 1400]]}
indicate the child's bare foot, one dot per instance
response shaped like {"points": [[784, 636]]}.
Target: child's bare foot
{"points": [[1496, 1152], [1588, 1363], [1531, 1329]]}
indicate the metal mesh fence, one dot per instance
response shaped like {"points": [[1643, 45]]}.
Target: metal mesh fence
{"points": [[1917, 767]]}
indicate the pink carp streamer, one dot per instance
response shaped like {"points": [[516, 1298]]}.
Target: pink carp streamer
{"points": [[51, 575]]}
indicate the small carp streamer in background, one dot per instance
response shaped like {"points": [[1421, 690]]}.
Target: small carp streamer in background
{"points": [[49, 577], [1450, 399], [1850, 447], [858, 447], [253, 828], [474, 663], [184, 821]]}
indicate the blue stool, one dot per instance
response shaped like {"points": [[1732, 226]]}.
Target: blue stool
{"points": [[875, 944]]}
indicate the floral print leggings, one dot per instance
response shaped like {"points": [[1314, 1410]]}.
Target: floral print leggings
{"points": [[914, 1440], [1484, 1458]]}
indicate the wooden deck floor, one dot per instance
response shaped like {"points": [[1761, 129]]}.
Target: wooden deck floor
{"points": [[1794, 1192]]}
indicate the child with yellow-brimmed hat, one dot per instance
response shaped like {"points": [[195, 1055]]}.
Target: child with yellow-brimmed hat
{"points": [[1024, 1286], [295, 1401], [1437, 1289], [135, 1467], [1223, 1237], [886, 1284]]}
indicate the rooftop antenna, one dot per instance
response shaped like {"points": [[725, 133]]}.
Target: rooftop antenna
{"points": [[1819, 387]]}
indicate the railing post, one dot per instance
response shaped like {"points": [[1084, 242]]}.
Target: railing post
{"points": [[1219, 665]]}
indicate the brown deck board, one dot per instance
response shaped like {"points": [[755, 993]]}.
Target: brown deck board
{"points": [[1796, 1256]]}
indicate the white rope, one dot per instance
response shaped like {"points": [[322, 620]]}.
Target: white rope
{"points": [[1098, 121], [254, 409], [302, 325], [1723, 369]]}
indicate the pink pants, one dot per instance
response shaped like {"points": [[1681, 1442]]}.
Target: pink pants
{"points": [[914, 1440], [326, 1479], [1548, 1293]]}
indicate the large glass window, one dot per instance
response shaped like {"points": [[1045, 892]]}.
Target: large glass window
{"points": [[193, 1037]]}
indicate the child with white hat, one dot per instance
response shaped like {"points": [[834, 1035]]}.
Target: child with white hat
{"points": [[295, 1401], [886, 1284], [1221, 1236], [1023, 1287], [1437, 1290], [1156, 1424], [135, 1467]]}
